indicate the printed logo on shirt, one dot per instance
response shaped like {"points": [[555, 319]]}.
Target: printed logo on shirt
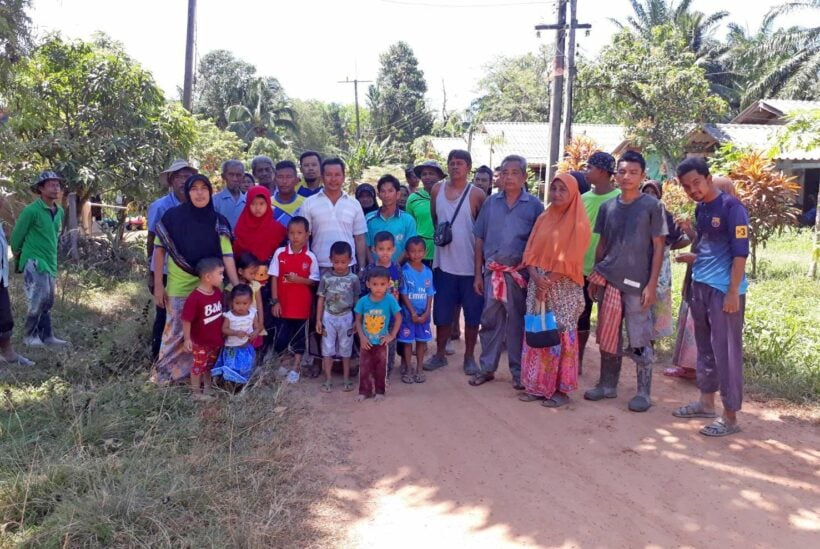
{"points": [[305, 265], [715, 222], [212, 312], [742, 231]]}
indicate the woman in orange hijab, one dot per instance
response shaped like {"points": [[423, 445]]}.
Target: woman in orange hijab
{"points": [[555, 259]]}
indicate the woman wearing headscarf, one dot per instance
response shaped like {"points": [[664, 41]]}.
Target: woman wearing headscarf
{"points": [[554, 257], [187, 233], [366, 195]]}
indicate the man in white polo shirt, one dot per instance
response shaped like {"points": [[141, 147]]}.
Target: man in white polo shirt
{"points": [[335, 216]]}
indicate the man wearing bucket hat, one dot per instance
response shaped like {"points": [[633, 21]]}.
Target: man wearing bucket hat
{"points": [[418, 205], [34, 243], [172, 179], [7, 353]]}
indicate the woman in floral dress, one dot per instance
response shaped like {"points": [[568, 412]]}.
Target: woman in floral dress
{"points": [[555, 259]]}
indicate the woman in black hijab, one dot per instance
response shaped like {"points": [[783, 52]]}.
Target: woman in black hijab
{"points": [[366, 195], [187, 234]]}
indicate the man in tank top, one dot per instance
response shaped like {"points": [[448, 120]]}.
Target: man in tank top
{"points": [[454, 264]]}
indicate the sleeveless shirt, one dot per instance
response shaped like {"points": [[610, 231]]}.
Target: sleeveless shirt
{"points": [[458, 257]]}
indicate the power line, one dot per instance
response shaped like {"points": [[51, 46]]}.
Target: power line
{"points": [[439, 5]]}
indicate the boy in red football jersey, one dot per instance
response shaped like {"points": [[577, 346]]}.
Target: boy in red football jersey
{"points": [[202, 325], [294, 270]]}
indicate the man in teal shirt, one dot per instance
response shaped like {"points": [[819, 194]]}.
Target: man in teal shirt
{"points": [[34, 243], [390, 218]]}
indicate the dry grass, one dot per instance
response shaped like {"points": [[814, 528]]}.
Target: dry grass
{"points": [[92, 454]]}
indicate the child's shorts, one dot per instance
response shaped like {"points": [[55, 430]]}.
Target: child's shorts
{"points": [[338, 336], [204, 359], [411, 332], [290, 333]]}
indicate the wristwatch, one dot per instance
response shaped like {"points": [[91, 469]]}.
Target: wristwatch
{"points": [[274, 301]]}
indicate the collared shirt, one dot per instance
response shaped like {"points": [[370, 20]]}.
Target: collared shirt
{"points": [[283, 212], [227, 205], [296, 299], [331, 223], [418, 206], [302, 189], [504, 229], [35, 236], [155, 212], [723, 234], [401, 225]]}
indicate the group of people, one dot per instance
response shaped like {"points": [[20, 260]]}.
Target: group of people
{"points": [[309, 269]]}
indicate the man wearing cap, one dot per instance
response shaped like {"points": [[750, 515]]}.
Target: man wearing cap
{"points": [[34, 242], [173, 179], [264, 172], [230, 201], [599, 172], [418, 205]]}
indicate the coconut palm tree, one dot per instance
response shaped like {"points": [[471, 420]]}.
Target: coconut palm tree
{"points": [[264, 113]]}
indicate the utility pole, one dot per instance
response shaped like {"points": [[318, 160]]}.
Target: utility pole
{"points": [[557, 107], [189, 56], [355, 83]]}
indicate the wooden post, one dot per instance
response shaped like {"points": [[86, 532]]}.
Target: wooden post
{"points": [[73, 229]]}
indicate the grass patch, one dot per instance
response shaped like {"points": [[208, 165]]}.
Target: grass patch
{"points": [[93, 454]]}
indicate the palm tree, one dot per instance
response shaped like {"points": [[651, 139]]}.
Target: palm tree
{"points": [[262, 114]]}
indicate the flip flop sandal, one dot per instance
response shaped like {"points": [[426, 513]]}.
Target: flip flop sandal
{"points": [[407, 378], [693, 410], [556, 401], [327, 387], [526, 397], [719, 428], [481, 379], [419, 378], [348, 386]]}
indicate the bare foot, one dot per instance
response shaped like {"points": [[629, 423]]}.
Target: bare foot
{"points": [[378, 398], [360, 398]]}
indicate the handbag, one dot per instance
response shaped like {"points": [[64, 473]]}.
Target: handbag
{"points": [[444, 230], [541, 330]]}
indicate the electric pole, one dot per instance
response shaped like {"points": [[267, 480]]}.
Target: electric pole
{"points": [[189, 56], [355, 83]]}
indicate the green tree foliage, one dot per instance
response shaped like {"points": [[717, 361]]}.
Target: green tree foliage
{"points": [[15, 34], [655, 88], [368, 153], [89, 111], [397, 105], [213, 146], [271, 149], [515, 89], [222, 81], [265, 113], [326, 126]]}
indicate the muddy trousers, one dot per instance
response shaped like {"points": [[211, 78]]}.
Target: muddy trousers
{"points": [[39, 289], [373, 370], [502, 323], [719, 338]]}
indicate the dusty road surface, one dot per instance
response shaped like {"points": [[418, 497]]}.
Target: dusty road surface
{"points": [[443, 464]]}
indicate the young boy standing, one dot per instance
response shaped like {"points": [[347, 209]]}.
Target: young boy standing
{"points": [[417, 293], [717, 297], [384, 249], [294, 270], [624, 281], [202, 325], [374, 313], [338, 291]]}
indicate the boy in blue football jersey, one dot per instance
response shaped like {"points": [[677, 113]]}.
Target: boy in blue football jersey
{"points": [[417, 293]]}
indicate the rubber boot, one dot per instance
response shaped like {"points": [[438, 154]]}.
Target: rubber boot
{"points": [[641, 402], [583, 337], [607, 386]]}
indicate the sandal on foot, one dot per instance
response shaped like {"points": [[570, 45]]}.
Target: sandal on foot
{"points": [[679, 371], [481, 379], [327, 387], [693, 410], [556, 401], [348, 386], [407, 378], [526, 397], [419, 378], [720, 428]]}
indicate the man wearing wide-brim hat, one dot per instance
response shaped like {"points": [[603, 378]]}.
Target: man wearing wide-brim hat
{"points": [[34, 243], [173, 179], [418, 205]]}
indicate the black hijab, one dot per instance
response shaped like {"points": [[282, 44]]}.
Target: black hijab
{"points": [[367, 188], [190, 234]]}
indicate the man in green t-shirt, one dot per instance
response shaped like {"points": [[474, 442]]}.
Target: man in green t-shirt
{"points": [[600, 169], [418, 205], [34, 243]]}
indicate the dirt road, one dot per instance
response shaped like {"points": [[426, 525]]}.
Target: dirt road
{"points": [[443, 464]]}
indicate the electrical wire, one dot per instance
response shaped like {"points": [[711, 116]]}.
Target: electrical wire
{"points": [[490, 5]]}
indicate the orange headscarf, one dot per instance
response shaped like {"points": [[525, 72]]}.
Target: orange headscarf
{"points": [[560, 236]]}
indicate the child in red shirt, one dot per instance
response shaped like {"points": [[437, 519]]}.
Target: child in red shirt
{"points": [[294, 270], [202, 325]]}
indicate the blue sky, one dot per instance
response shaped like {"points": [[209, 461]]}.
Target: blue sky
{"points": [[309, 45]]}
